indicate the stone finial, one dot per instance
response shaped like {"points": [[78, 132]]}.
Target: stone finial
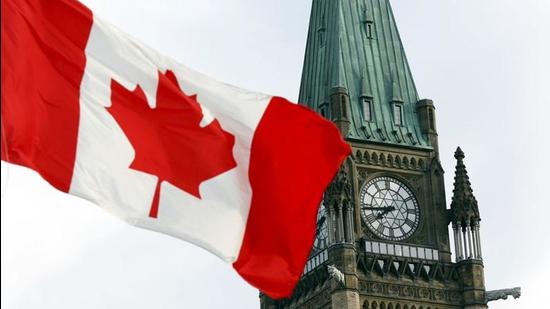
{"points": [[459, 154], [464, 204]]}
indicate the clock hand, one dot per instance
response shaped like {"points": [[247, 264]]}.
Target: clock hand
{"points": [[320, 225], [384, 212], [388, 208]]}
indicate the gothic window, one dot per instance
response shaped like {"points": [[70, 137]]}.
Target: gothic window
{"points": [[398, 114], [367, 109]]}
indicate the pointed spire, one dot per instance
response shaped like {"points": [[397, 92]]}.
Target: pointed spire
{"points": [[365, 58], [464, 204]]}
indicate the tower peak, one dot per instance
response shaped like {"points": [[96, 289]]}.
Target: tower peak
{"points": [[459, 154], [355, 44]]}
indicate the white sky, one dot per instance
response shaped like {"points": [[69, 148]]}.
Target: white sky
{"points": [[486, 64]]}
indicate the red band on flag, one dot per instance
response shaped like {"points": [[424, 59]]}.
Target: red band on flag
{"points": [[43, 64], [294, 156]]}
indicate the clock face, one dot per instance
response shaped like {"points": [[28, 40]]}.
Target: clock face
{"points": [[389, 208], [321, 232]]}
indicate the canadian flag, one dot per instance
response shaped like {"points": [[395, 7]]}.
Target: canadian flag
{"points": [[104, 117]]}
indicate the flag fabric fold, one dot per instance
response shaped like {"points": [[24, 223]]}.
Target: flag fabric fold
{"points": [[102, 116]]}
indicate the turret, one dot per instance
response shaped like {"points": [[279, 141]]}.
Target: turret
{"points": [[465, 214], [339, 107], [465, 221], [425, 110]]}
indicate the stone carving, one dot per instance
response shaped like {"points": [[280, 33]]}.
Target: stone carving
{"points": [[407, 162], [503, 294], [424, 293], [393, 290], [408, 291], [464, 206], [336, 275], [339, 191], [377, 288], [362, 173], [441, 296]]}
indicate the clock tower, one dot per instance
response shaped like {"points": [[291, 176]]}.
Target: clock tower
{"points": [[383, 232]]}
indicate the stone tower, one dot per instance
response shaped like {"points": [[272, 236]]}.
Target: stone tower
{"points": [[383, 228]]}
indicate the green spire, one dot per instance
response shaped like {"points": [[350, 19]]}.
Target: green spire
{"points": [[464, 204], [355, 44]]}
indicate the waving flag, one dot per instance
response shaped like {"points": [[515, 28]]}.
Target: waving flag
{"points": [[104, 117]]}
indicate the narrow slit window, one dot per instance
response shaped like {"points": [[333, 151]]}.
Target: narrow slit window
{"points": [[367, 109], [324, 110], [398, 114], [344, 107], [322, 37], [369, 30]]}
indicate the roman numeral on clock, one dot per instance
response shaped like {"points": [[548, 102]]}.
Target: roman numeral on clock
{"points": [[371, 218]]}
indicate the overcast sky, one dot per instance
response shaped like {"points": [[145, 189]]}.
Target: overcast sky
{"points": [[486, 65]]}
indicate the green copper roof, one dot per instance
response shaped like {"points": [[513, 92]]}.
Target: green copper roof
{"points": [[355, 44]]}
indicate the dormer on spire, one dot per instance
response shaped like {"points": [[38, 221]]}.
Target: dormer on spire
{"points": [[365, 99], [465, 213], [397, 105]]}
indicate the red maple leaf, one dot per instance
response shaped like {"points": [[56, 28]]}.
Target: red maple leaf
{"points": [[168, 140]]}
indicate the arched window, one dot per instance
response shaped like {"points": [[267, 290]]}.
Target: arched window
{"points": [[366, 304]]}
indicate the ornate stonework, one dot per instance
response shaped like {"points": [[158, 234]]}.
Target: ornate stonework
{"points": [[386, 216]]}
